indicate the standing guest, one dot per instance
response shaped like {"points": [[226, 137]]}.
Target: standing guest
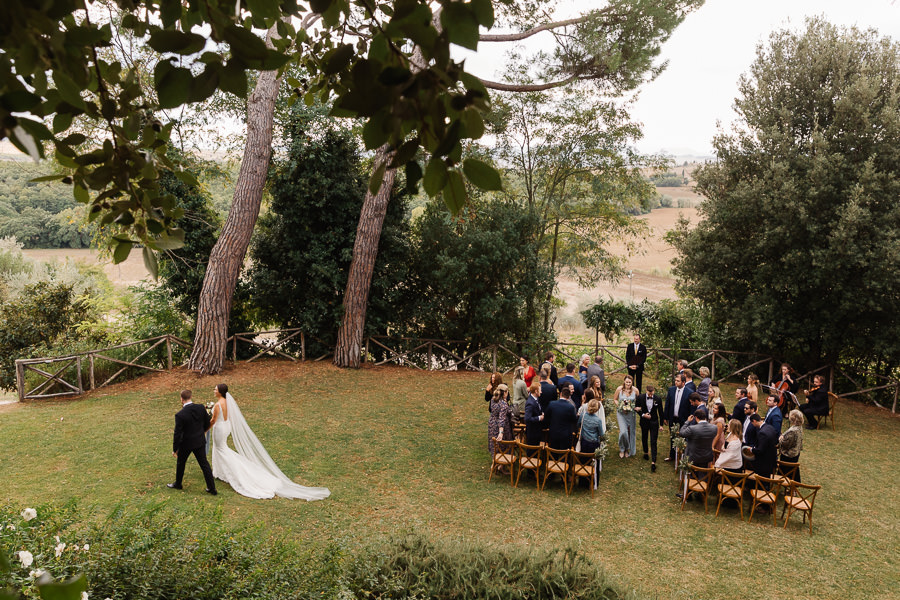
{"points": [[773, 413], [591, 425], [785, 387], [520, 394], [596, 369], [816, 404], [715, 397], [650, 414], [570, 378], [790, 443], [496, 380], [753, 387], [719, 418], [624, 397], [681, 364], [740, 395], [635, 357], [500, 423], [548, 390], [593, 393], [530, 373], [750, 409], [549, 357], [565, 393], [697, 404], [699, 434], [730, 459], [765, 448], [534, 416], [583, 368], [561, 419], [689, 385], [677, 409], [705, 381]]}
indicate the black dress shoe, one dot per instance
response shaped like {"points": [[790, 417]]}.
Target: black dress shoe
{"points": [[174, 486], [646, 456], [653, 467], [212, 492]]}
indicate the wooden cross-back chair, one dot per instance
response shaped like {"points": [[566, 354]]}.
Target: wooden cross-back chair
{"points": [[832, 402], [731, 485], [800, 497], [787, 471], [765, 491], [506, 454], [556, 462], [583, 465], [530, 459], [698, 481]]}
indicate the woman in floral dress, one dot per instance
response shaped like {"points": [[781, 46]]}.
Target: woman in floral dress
{"points": [[500, 423]]}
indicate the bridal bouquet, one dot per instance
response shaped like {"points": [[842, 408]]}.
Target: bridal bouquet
{"points": [[626, 407], [209, 407]]}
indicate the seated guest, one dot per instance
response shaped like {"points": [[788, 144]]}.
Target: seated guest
{"points": [[650, 414], [596, 369], [719, 418], [740, 395], [730, 459], [773, 413], [816, 402], [548, 390], [765, 448], [570, 378], [561, 419], [697, 404], [699, 434], [703, 387], [592, 426], [790, 444], [534, 416]]}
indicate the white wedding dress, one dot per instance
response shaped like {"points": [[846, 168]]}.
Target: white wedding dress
{"points": [[250, 470]]}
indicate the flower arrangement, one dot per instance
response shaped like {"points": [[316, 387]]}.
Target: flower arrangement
{"points": [[684, 463], [625, 406], [602, 450], [209, 407]]}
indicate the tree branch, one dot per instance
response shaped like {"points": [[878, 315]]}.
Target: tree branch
{"points": [[514, 37], [527, 87]]}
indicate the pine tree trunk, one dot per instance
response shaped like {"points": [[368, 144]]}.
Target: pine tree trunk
{"points": [[227, 257], [348, 350]]}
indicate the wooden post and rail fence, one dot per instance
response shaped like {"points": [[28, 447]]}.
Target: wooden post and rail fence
{"points": [[75, 374]]}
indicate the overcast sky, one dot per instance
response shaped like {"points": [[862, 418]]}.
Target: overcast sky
{"points": [[708, 53]]}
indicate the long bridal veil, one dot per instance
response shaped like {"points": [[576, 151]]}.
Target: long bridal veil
{"points": [[248, 445]]}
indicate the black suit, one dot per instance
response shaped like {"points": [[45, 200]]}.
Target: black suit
{"points": [[765, 449], [739, 413], [533, 424], [191, 423], [579, 389], [673, 418], [649, 427], [816, 404], [562, 419], [548, 394], [636, 358]]}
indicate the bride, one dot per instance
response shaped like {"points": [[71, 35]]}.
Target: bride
{"points": [[250, 470]]}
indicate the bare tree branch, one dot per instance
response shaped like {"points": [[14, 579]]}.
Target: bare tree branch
{"points": [[527, 87], [515, 37]]}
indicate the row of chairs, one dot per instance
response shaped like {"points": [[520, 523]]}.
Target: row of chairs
{"points": [[797, 497], [543, 461]]}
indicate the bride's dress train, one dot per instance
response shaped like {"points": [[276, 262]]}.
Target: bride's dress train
{"points": [[250, 470]]}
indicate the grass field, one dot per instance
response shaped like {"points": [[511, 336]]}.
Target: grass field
{"points": [[406, 451]]}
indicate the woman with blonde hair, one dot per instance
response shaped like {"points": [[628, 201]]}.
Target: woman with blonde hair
{"points": [[624, 398], [583, 368], [715, 397], [730, 459], [703, 387], [790, 444], [753, 387], [591, 425]]}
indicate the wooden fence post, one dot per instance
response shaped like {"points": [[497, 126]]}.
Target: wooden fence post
{"points": [[302, 346], [712, 374], [169, 352], [494, 359], [896, 394], [831, 380], [78, 372], [234, 349], [430, 359], [20, 380], [91, 363], [771, 368], [596, 341]]}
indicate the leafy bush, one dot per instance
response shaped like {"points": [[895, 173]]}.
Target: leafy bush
{"points": [[418, 568], [665, 201]]}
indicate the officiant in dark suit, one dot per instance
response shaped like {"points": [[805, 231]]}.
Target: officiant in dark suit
{"points": [[191, 424], [635, 357]]}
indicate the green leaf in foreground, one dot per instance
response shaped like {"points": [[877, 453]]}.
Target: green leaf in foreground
{"points": [[482, 174]]}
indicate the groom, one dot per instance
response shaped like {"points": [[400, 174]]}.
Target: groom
{"points": [[191, 423]]}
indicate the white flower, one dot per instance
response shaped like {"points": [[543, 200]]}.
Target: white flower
{"points": [[29, 513], [36, 573], [87, 547], [26, 558], [84, 596], [59, 549], [56, 537], [11, 526]]}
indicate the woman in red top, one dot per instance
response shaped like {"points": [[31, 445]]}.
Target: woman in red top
{"points": [[529, 370]]}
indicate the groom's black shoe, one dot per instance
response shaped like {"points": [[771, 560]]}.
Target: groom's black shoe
{"points": [[174, 486], [212, 492]]}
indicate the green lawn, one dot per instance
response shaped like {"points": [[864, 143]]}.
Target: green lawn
{"points": [[406, 451]]}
